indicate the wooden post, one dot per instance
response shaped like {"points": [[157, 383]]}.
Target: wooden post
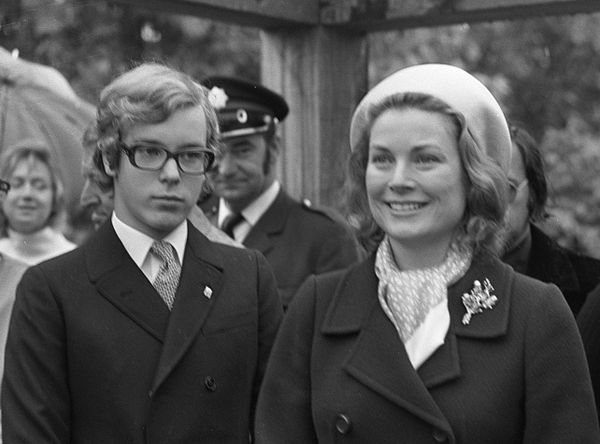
{"points": [[322, 73]]}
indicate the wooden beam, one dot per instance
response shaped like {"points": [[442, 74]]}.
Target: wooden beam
{"points": [[257, 13], [364, 15], [322, 73], [381, 15]]}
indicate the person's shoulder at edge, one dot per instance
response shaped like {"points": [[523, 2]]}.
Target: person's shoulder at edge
{"points": [[590, 311]]}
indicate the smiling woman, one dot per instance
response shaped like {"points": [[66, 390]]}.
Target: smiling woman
{"points": [[431, 337], [33, 206]]}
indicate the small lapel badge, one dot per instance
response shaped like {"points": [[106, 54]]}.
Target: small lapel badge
{"points": [[480, 298], [207, 292]]}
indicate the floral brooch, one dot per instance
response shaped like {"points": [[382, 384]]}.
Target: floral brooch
{"points": [[480, 298]]}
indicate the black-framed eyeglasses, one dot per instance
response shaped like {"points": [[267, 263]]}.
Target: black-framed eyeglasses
{"points": [[153, 158], [4, 186], [515, 188]]}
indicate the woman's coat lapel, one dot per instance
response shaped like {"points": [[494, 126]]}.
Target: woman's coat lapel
{"points": [[386, 369]]}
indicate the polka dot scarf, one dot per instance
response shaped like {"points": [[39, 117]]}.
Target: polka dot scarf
{"points": [[408, 296]]}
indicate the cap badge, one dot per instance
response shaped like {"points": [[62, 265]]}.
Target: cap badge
{"points": [[217, 97], [241, 115], [480, 298]]}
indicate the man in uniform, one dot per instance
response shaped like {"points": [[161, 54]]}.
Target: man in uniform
{"points": [[150, 332], [249, 203]]}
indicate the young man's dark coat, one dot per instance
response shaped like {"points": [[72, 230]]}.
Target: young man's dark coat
{"points": [[95, 356]]}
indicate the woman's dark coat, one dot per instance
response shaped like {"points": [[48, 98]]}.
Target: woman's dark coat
{"points": [[338, 372]]}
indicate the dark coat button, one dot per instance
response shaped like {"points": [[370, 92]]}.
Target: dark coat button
{"points": [[439, 436], [210, 384], [343, 423]]}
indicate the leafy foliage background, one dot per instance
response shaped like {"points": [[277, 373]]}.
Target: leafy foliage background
{"points": [[544, 71]]}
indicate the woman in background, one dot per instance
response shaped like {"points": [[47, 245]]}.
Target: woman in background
{"points": [[432, 338], [33, 206]]}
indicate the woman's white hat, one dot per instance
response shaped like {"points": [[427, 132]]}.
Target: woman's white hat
{"points": [[483, 117]]}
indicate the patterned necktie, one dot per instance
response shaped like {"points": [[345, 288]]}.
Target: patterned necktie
{"points": [[167, 279], [231, 222]]}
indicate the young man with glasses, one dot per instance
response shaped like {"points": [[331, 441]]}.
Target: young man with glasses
{"points": [[149, 332], [97, 195], [528, 249]]}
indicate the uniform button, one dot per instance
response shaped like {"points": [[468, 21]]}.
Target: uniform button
{"points": [[210, 384], [343, 423], [439, 436]]}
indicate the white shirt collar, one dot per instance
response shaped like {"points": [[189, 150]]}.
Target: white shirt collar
{"points": [[138, 244], [255, 209]]}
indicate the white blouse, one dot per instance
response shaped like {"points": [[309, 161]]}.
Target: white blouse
{"points": [[35, 247]]}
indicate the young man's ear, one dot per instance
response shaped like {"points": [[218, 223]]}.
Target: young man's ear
{"points": [[107, 168]]}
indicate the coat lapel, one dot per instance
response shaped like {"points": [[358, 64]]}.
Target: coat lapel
{"points": [[270, 223], [444, 365], [378, 359], [489, 323], [199, 287], [119, 280]]}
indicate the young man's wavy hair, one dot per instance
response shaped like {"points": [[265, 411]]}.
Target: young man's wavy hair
{"points": [[485, 180], [92, 160], [148, 94]]}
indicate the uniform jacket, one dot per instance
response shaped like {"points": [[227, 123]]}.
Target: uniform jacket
{"points": [[575, 274], [95, 356], [339, 372], [298, 240]]}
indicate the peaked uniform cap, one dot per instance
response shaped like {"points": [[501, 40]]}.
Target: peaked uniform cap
{"points": [[482, 116], [244, 108]]}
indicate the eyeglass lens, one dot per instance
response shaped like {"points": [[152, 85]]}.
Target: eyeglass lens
{"points": [[195, 161]]}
